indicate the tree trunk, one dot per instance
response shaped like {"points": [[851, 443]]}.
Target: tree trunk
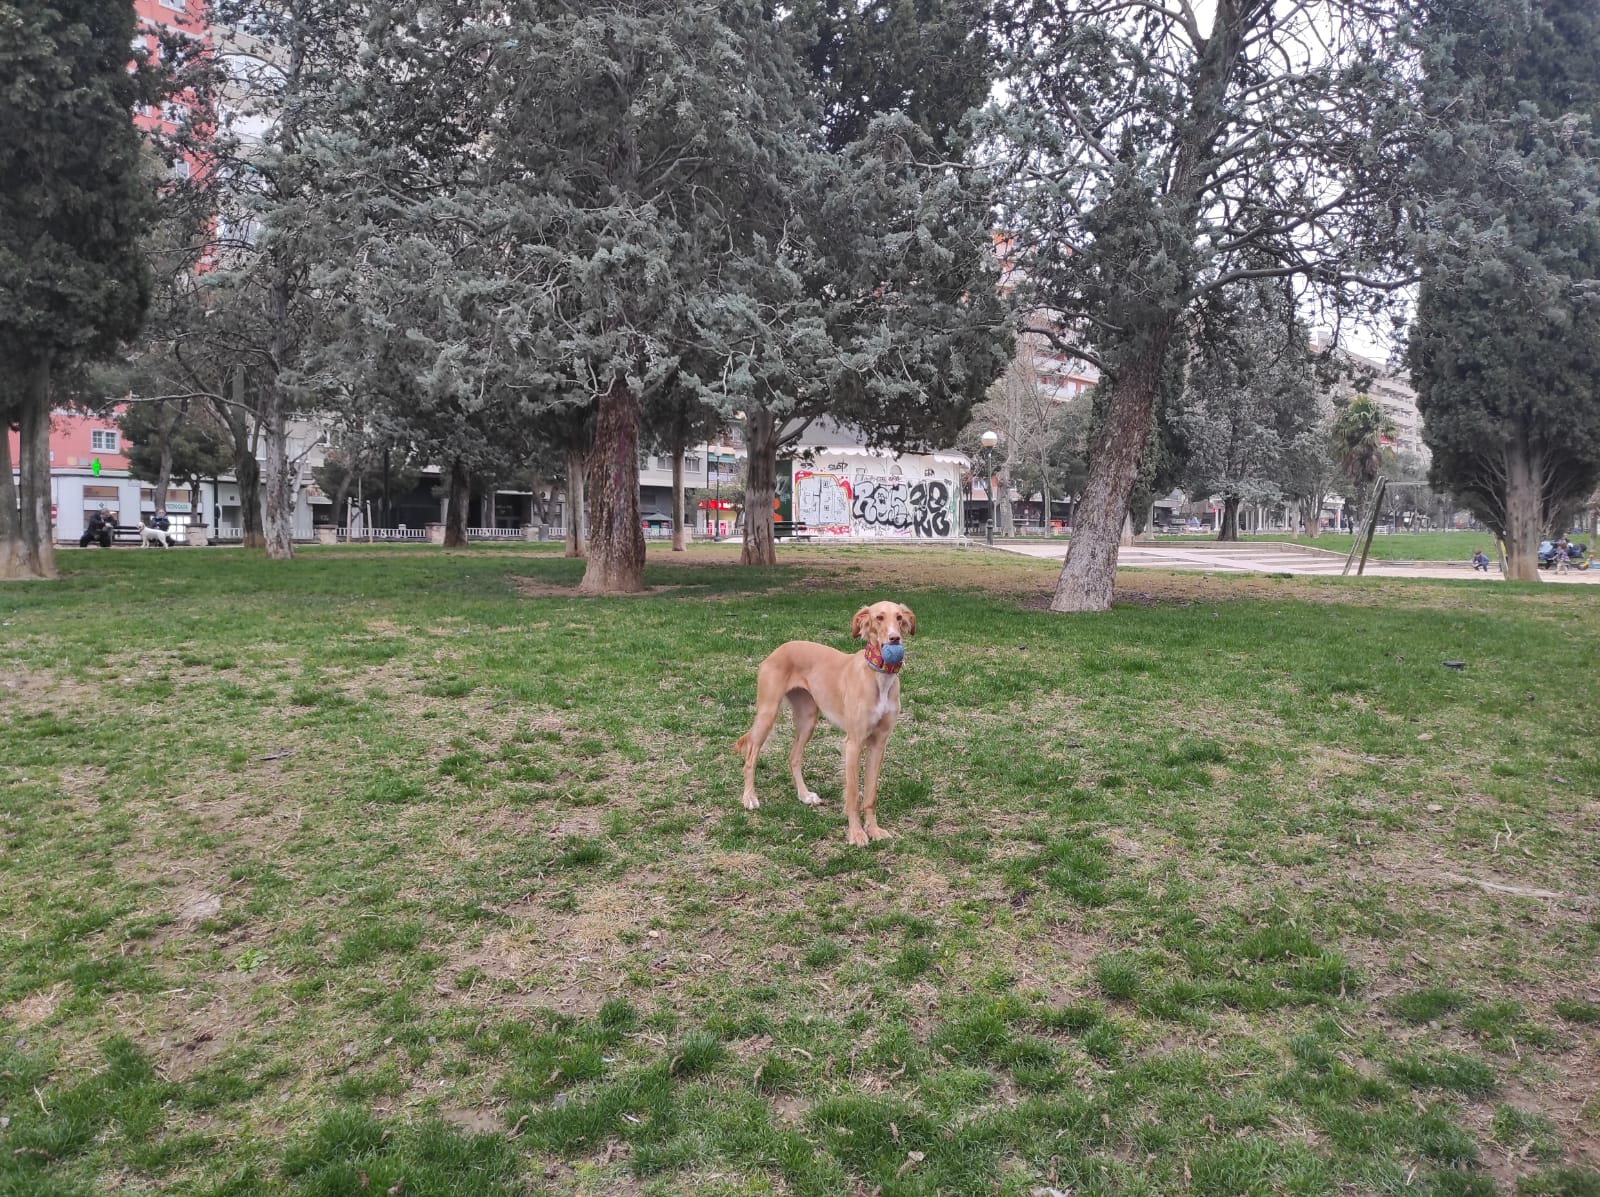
{"points": [[459, 501], [1006, 522], [164, 430], [1524, 513], [13, 553], [341, 517], [616, 542], [35, 548], [1044, 490], [1311, 515], [247, 470], [278, 514], [577, 510], [1089, 575], [761, 433], [680, 530], [1230, 518]]}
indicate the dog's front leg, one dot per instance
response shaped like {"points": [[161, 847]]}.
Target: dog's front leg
{"points": [[855, 833], [869, 799]]}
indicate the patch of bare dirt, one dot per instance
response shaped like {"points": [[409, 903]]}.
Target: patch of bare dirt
{"points": [[196, 1025], [36, 1008], [474, 1122]]}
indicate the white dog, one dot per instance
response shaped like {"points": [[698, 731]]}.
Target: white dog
{"points": [[155, 536]]}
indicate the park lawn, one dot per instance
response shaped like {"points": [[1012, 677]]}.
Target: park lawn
{"points": [[410, 871], [1397, 546]]}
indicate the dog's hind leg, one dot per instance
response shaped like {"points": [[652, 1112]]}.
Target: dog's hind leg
{"points": [[750, 743], [805, 722]]}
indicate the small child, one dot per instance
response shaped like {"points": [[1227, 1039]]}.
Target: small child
{"points": [[1479, 561]]}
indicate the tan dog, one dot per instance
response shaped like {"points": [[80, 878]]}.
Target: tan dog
{"points": [[856, 692]]}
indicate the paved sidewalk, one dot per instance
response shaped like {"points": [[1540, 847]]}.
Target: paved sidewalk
{"points": [[1278, 558]]}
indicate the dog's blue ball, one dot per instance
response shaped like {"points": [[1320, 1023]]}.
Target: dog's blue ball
{"points": [[893, 654]]}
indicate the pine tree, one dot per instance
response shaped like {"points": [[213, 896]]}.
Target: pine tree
{"points": [[899, 269], [1251, 396], [1164, 152], [1505, 349], [75, 198]]}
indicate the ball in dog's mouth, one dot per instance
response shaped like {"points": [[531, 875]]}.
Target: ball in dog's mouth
{"points": [[894, 654]]}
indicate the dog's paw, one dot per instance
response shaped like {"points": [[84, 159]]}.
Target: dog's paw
{"points": [[879, 833], [751, 802], [857, 837], [812, 798]]}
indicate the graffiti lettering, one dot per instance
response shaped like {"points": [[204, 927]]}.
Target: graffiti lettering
{"points": [[897, 508], [930, 503]]}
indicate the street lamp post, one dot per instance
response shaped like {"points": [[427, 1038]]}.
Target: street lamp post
{"points": [[990, 439]]}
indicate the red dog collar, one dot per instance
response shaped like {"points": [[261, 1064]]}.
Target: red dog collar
{"points": [[874, 656]]}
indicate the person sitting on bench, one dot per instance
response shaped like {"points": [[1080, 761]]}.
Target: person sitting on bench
{"points": [[100, 527]]}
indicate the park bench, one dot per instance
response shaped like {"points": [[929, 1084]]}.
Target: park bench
{"points": [[129, 534], [790, 530]]}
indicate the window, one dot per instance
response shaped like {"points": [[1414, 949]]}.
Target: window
{"points": [[175, 5], [103, 440]]}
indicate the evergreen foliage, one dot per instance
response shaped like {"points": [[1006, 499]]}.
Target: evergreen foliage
{"points": [[1252, 396], [1505, 351], [1360, 436], [173, 438], [1163, 153], [75, 198]]}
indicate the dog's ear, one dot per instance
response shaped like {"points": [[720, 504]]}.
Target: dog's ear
{"points": [[858, 624], [909, 618]]}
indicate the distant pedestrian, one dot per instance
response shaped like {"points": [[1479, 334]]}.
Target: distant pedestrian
{"points": [[1479, 561], [1561, 556]]}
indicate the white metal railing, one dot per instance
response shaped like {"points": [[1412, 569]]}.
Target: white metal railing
{"points": [[494, 534], [234, 532], [372, 534]]}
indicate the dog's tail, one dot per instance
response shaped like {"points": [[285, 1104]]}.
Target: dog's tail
{"points": [[742, 745]]}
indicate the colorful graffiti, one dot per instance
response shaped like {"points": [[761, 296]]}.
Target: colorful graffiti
{"points": [[822, 502], [877, 505]]}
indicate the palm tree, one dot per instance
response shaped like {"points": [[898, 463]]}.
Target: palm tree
{"points": [[1359, 451]]}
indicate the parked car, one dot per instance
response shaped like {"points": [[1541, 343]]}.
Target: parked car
{"points": [[1547, 553]]}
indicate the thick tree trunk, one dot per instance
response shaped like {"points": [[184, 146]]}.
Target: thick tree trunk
{"points": [[680, 530], [577, 508], [243, 432], [1310, 511], [616, 541], [761, 485], [35, 547], [1230, 518], [247, 470], [278, 514], [1089, 575], [13, 553], [460, 500], [1525, 522]]}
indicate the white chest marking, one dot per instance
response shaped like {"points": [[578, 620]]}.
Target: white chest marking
{"points": [[888, 703]]}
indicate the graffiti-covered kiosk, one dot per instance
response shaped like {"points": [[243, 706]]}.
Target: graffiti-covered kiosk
{"points": [[856, 491]]}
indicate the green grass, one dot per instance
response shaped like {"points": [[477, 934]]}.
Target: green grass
{"points": [[1397, 546], [412, 871]]}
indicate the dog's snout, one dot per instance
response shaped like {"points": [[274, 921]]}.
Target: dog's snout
{"points": [[894, 637]]}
